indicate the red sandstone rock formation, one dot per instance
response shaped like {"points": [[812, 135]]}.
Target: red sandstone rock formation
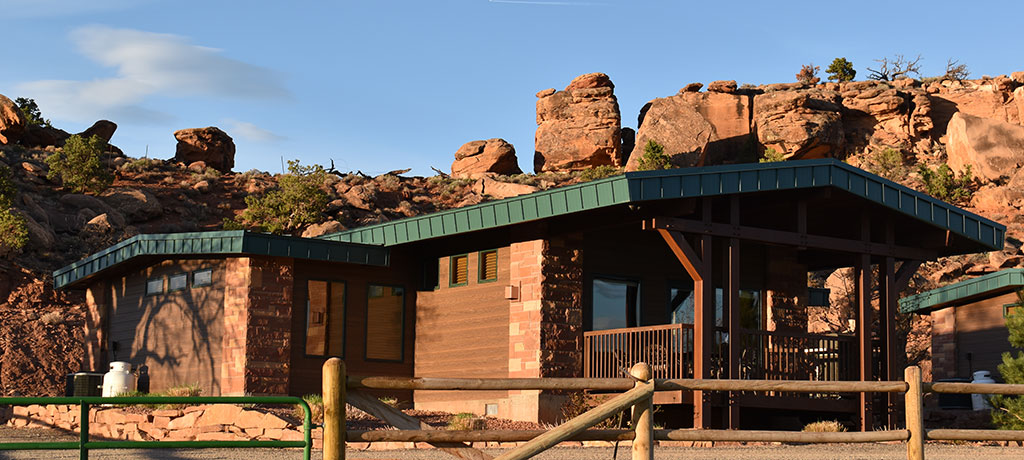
{"points": [[993, 149], [210, 145], [11, 122], [490, 156], [800, 124], [579, 127]]}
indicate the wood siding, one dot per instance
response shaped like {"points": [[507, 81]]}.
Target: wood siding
{"points": [[176, 335], [463, 331], [981, 331], [306, 369]]}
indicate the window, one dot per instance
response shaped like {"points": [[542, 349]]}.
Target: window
{"points": [[431, 274], [385, 308], [616, 304], [681, 304], [177, 282], [1012, 309], [325, 318], [459, 275], [488, 266], [202, 277], [155, 286]]}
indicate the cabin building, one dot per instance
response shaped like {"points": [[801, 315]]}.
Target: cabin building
{"points": [[701, 272], [969, 322]]}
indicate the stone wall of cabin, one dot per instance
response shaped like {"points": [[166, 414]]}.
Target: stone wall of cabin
{"points": [[545, 321], [786, 298]]}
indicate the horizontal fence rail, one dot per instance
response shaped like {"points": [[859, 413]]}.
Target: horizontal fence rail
{"points": [[829, 352], [84, 445]]}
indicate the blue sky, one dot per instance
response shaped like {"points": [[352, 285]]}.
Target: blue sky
{"points": [[382, 85]]}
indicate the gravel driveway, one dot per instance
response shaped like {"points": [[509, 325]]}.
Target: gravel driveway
{"points": [[776, 452]]}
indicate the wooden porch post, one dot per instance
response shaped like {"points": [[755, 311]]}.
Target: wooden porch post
{"points": [[863, 274], [887, 295], [697, 264], [733, 289]]}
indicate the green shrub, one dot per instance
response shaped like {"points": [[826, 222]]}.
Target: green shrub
{"points": [[841, 70], [464, 421], [942, 183], [887, 163], [141, 165], [772, 156], [1008, 411], [80, 166], [654, 157], [30, 111], [13, 232], [599, 172], [294, 203]]}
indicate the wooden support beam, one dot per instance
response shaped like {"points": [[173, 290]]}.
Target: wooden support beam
{"points": [[907, 270], [862, 271], [684, 252], [704, 322], [733, 292], [887, 310], [398, 419], [796, 239]]}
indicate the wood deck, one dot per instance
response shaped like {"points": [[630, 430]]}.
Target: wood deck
{"points": [[764, 355]]}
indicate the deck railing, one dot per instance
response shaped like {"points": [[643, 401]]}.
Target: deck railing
{"points": [[772, 355], [667, 347], [765, 355]]}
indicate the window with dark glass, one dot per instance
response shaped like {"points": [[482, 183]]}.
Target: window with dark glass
{"points": [[488, 266], [431, 274], [177, 282], [385, 308], [616, 304], [202, 277], [459, 272], [681, 302], [325, 318], [155, 286]]}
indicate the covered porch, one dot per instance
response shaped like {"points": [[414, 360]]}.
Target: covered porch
{"points": [[740, 309]]}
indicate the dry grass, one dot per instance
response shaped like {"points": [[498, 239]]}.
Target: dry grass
{"points": [[465, 421], [825, 426]]}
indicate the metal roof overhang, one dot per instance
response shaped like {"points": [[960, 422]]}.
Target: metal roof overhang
{"points": [[648, 186], [219, 243], [989, 285]]}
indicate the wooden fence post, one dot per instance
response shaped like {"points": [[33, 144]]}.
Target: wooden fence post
{"points": [[643, 416], [334, 409], [915, 413]]}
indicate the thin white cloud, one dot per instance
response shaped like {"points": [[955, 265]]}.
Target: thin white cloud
{"points": [[250, 131], [148, 65]]}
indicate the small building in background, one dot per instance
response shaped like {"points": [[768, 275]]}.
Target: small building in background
{"points": [[969, 322]]}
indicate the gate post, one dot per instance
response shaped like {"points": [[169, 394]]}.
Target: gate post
{"points": [[643, 416], [334, 409], [915, 413]]}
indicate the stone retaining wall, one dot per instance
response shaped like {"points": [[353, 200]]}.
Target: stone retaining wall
{"points": [[196, 423]]}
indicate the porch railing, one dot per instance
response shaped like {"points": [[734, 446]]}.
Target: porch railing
{"points": [[765, 355], [667, 347]]}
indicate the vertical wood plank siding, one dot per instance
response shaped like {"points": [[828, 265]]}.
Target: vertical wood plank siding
{"points": [[177, 335]]}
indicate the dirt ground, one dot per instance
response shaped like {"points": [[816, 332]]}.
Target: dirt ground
{"points": [[886, 451]]}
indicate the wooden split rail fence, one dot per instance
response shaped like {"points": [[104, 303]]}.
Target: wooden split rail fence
{"points": [[338, 389]]}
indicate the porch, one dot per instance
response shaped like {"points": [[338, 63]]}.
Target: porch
{"points": [[763, 355]]}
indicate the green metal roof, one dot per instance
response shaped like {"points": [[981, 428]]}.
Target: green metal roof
{"points": [[682, 183], [236, 242], [992, 283]]}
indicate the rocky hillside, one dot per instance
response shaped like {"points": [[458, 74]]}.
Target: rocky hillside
{"points": [[891, 128]]}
